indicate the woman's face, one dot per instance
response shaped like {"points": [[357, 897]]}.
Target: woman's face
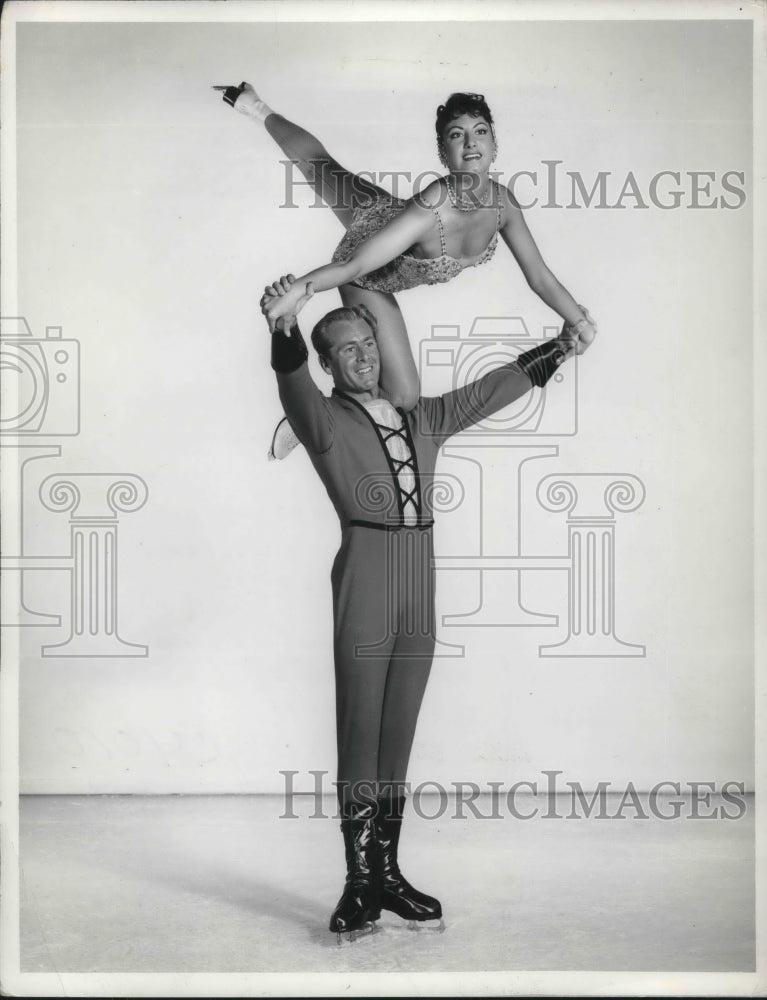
{"points": [[468, 144]]}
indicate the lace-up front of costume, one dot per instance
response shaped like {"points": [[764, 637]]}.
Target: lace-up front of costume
{"points": [[392, 430]]}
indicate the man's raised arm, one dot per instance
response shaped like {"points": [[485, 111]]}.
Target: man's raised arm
{"points": [[306, 408]]}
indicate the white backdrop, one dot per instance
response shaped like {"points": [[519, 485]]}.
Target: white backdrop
{"points": [[149, 220]]}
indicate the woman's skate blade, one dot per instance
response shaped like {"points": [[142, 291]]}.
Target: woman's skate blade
{"points": [[229, 92], [283, 442]]}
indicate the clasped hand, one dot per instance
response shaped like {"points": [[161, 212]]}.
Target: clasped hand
{"points": [[283, 300], [581, 333]]}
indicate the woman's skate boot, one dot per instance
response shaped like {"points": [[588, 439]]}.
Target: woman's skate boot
{"points": [[245, 100]]}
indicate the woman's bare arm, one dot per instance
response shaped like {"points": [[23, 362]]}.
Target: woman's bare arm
{"points": [[519, 240], [393, 239]]}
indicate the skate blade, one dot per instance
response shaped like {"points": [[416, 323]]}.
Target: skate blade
{"points": [[346, 938], [283, 442], [432, 926]]}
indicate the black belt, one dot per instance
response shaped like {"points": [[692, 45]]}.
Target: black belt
{"points": [[390, 527]]}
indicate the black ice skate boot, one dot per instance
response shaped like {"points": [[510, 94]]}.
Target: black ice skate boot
{"points": [[397, 894], [359, 904], [245, 100]]}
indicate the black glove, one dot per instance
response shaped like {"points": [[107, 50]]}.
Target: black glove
{"points": [[288, 353]]}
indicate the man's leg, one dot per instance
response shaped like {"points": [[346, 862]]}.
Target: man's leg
{"points": [[411, 555], [364, 620], [360, 686], [363, 642], [405, 685]]}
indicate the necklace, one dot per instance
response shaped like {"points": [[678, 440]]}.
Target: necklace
{"points": [[465, 203]]}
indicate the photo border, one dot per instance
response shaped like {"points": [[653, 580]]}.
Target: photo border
{"points": [[15, 982]]}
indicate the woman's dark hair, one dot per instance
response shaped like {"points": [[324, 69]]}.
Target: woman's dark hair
{"points": [[350, 313], [462, 104]]}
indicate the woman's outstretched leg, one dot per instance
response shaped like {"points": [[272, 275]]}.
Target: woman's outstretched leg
{"points": [[343, 191], [339, 188]]}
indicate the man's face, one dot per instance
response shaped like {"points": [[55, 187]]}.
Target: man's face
{"points": [[351, 356]]}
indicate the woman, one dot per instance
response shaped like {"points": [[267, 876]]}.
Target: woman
{"points": [[392, 244]]}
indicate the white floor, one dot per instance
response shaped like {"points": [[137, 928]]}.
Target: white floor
{"points": [[222, 884]]}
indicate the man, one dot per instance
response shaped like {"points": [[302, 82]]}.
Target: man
{"points": [[377, 464]]}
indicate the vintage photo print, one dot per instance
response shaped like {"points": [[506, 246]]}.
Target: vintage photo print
{"points": [[383, 495]]}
